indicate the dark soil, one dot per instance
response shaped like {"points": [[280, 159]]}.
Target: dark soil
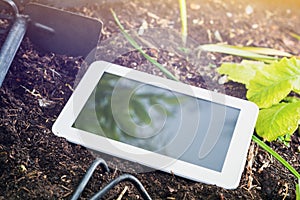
{"points": [[35, 164]]}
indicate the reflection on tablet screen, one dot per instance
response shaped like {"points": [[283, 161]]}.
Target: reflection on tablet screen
{"points": [[159, 120]]}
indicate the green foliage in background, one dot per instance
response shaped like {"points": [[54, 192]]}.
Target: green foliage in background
{"points": [[268, 85]]}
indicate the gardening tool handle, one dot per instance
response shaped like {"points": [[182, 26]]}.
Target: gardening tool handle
{"points": [[12, 44]]}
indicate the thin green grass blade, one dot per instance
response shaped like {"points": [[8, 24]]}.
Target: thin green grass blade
{"points": [[294, 35], [265, 51], [276, 155], [298, 190], [183, 18], [138, 48], [227, 49]]}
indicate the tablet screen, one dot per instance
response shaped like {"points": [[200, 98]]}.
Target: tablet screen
{"points": [[159, 120]]}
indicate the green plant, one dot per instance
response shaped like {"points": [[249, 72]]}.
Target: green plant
{"points": [[269, 86], [285, 139], [251, 73]]}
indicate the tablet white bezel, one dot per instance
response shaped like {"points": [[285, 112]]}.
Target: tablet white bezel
{"points": [[235, 160]]}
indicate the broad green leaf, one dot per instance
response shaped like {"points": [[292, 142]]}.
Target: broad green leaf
{"points": [[279, 120], [266, 93], [232, 50], [266, 51], [274, 82], [296, 85], [241, 72]]}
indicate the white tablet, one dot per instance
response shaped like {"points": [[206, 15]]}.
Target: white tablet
{"points": [[167, 125]]}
